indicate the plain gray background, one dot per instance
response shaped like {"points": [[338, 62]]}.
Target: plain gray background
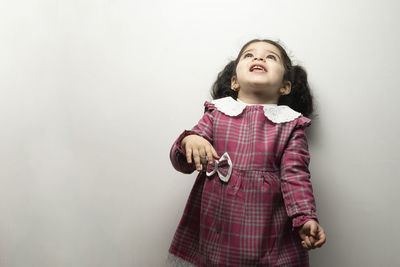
{"points": [[94, 92]]}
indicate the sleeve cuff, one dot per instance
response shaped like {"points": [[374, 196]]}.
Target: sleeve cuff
{"points": [[298, 222]]}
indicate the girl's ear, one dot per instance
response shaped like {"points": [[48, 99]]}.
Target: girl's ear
{"points": [[234, 85], [286, 89]]}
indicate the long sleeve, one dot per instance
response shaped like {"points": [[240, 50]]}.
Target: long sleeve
{"points": [[203, 128], [295, 177]]}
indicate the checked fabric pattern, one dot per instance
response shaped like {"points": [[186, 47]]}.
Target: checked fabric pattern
{"points": [[252, 219]]}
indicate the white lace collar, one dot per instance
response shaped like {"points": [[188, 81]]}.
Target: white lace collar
{"points": [[275, 113]]}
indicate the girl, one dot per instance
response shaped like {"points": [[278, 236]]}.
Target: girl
{"points": [[254, 205]]}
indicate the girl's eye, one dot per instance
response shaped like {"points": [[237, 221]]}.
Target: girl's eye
{"points": [[247, 54], [272, 57]]}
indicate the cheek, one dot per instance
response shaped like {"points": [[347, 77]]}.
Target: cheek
{"points": [[278, 71], [241, 66], [240, 71]]}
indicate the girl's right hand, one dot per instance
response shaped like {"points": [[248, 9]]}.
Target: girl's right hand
{"points": [[198, 148], [312, 235]]}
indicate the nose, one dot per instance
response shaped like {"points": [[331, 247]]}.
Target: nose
{"points": [[257, 58]]}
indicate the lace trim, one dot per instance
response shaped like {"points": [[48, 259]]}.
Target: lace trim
{"points": [[280, 114], [175, 261], [275, 113], [229, 106]]}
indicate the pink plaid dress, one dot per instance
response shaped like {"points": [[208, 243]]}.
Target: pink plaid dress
{"points": [[252, 219]]}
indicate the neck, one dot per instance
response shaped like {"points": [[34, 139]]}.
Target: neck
{"points": [[257, 99]]}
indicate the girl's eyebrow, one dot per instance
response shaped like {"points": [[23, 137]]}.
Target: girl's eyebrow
{"points": [[266, 50]]}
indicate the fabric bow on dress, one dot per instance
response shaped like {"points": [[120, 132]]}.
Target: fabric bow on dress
{"points": [[223, 167]]}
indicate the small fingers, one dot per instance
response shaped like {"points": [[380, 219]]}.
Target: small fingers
{"points": [[308, 242], [321, 239], [303, 243], [202, 153], [203, 159], [209, 154], [319, 243], [214, 153], [189, 155], [312, 240], [313, 229], [196, 158]]}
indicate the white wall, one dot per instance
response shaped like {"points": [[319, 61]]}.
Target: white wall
{"points": [[94, 92]]}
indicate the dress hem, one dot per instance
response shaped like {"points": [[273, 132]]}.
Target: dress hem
{"points": [[177, 261]]}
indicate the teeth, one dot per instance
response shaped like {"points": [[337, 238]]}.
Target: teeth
{"points": [[257, 67]]}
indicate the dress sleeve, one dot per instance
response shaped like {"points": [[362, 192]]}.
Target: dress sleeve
{"points": [[204, 129], [295, 177]]}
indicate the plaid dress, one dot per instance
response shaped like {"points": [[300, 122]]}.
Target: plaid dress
{"points": [[251, 220]]}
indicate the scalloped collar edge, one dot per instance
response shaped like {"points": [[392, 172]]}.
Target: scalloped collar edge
{"points": [[275, 113]]}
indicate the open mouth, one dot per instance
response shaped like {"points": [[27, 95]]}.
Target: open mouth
{"points": [[257, 68]]}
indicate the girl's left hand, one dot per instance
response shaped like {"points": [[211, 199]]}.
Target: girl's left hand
{"points": [[312, 235]]}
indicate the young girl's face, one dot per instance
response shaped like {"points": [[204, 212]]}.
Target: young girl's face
{"points": [[260, 72]]}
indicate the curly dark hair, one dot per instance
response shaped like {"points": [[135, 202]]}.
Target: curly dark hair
{"points": [[299, 99]]}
